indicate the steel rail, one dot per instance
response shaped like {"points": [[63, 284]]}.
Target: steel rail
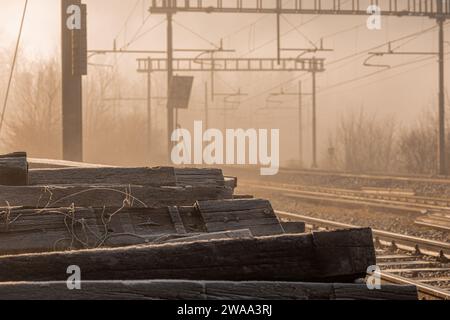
{"points": [[403, 242], [371, 176], [415, 203]]}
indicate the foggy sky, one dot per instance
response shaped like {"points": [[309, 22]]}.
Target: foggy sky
{"points": [[401, 92]]}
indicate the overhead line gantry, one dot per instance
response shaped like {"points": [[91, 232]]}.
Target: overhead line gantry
{"points": [[433, 9]]}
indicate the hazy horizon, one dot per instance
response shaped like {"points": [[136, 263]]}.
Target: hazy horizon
{"points": [[401, 92]]}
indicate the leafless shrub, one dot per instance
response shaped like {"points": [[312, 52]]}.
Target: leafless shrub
{"points": [[33, 117], [418, 144], [116, 129], [365, 143]]}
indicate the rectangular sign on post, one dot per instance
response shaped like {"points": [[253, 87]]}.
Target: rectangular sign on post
{"points": [[180, 92]]}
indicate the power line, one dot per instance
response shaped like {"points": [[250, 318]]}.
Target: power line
{"points": [[125, 24], [13, 65], [301, 33], [138, 36], [374, 73], [136, 33], [196, 34], [415, 34], [250, 25], [339, 84], [274, 39], [343, 31], [354, 55], [395, 75]]}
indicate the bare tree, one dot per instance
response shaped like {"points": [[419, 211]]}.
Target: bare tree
{"points": [[33, 118], [365, 143], [115, 129], [418, 145]]}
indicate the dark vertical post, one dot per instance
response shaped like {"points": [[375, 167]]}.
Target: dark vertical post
{"points": [[314, 121], [206, 107], [149, 108], [212, 76], [300, 124], [278, 39], [442, 166], [279, 31], [72, 126], [170, 122]]}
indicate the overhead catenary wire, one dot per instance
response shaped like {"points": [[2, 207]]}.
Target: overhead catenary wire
{"points": [[139, 35], [282, 35], [125, 24], [13, 65], [322, 37], [196, 34], [389, 77], [352, 57], [300, 32], [251, 24]]}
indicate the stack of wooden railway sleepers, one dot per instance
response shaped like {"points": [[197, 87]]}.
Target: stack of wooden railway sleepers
{"points": [[165, 233]]}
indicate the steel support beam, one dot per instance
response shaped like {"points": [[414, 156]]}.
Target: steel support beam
{"points": [[442, 156], [399, 8], [231, 65], [169, 69]]}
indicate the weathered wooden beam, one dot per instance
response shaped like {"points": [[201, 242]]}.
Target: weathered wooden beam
{"points": [[199, 177], [175, 217], [202, 290], [163, 176], [108, 195], [60, 229], [73, 228], [14, 169], [39, 163], [293, 227], [237, 234], [157, 177], [254, 214], [338, 256], [242, 196]]}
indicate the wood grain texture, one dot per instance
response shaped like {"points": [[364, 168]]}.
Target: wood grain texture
{"points": [[339, 256], [39, 163], [199, 177], [74, 228], [157, 177], [14, 169], [254, 214], [34, 231], [108, 195], [236, 234], [293, 227], [202, 290]]}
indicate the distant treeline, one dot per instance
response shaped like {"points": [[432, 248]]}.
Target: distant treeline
{"points": [[114, 129], [369, 143]]}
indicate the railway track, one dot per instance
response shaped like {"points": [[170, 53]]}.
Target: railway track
{"points": [[394, 201], [402, 259], [371, 176]]}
